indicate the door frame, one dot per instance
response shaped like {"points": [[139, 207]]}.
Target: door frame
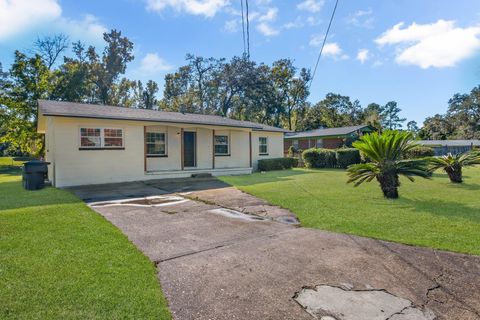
{"points": [[194, 149]]}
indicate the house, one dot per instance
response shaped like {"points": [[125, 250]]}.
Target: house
{"points": [[442, 147], [329, 138], [94, 144]]}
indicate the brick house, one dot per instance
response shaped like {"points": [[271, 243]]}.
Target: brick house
{"points": [[329, 138]]}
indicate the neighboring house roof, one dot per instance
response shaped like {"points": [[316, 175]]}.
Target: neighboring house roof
{"points": [[449, 143], [341, 131], [83, 110]]}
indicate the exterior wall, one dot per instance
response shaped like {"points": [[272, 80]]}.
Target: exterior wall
{"points": [[303, 144], [73, 166], [79, 167], [239, 150], [275, 146], [332, 143]]}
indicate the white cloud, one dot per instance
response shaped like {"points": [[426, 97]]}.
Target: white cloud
{"points": [[331, 49], [311, 5], [264, 26], [207, 8], [361, 18], [363, 55], [17, 16], [231, 25], [152, 63], [439, 44], [270, 15], [267, 30], [89, 29]]}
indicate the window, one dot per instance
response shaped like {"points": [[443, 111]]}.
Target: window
{"points": [[101, 138], [156, 144], [221, 145], [90, 137], [295, 144], [263, 145], [319, 143]]}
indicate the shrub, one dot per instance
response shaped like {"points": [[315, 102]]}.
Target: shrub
{"points": [[319, 158], [277, 164], [419, 152], [347, 156]]}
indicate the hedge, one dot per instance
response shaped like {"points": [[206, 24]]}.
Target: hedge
{"points": [[319, 158], [419, 152], [277, 164], [347, 156]]}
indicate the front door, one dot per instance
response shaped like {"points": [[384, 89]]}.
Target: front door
{"points": [[189, 148]]}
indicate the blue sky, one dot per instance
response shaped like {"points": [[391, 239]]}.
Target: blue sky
{"points": [[418, 53]]}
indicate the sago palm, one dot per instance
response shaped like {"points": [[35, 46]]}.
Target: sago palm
{"points": [[453, 164], [384, 152]]}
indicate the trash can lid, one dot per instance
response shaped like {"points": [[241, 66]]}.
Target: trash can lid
{"points": [[35, 163]]}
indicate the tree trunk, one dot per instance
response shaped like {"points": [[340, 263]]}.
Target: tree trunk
{"points": [[389, 183], [455, 174]]}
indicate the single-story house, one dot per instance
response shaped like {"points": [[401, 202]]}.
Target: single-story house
{"points": [[94, 144], [329, 138], [442, 147]]}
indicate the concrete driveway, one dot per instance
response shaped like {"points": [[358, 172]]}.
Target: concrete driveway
{"points": [[221, 264]]}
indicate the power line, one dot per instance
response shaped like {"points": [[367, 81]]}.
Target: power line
{"points": [[323, 44], [243, 30], [248, 31]]}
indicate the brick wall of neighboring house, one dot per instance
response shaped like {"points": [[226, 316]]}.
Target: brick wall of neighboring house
{"points": [[332, 143], [286, 145]]}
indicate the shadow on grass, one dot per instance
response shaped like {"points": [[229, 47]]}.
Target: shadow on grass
{"points": [[13, 196], [447, 209], [266, 177]]}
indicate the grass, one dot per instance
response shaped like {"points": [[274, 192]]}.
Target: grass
{"points": [[432, 213], [61, 260]]}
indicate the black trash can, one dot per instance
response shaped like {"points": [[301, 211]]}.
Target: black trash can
{"points": [[35, 173]]}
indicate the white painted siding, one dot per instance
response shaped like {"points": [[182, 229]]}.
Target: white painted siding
{"points": [[72, 166]]}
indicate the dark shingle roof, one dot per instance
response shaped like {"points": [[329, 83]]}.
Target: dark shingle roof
{"points": [[324, 132], [83, 110], [449, 143]]}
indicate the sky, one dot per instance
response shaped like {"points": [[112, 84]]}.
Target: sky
{"points": [[418, 53]]}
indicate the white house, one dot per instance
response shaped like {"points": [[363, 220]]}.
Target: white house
{"points": [[94, 144]]}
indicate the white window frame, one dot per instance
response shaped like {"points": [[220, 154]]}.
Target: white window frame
{"points": [[263, 144], [102, 138], [165, 154], [215, 145], [319, 143]]}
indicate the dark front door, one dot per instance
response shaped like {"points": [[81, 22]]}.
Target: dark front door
{"points": [[189, 141]]}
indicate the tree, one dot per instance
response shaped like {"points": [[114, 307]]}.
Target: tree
{"points": [[148, 95], [390, 116], [453, 164], [386, 164], [437, 127], [412, 127], [372, 115], [50, 48], [464, 115], [105, 70]]}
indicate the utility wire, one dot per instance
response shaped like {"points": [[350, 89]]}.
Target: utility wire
{"points": [[323, 44], [248, 31], [243, 30]]}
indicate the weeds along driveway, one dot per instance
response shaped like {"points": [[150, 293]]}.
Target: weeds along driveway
{"points": [[215, 265]]}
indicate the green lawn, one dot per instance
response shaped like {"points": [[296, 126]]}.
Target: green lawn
{"points": [[61, 260], [433, 213]]}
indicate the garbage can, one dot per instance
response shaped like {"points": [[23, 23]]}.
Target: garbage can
{"points": [[34, 174]]}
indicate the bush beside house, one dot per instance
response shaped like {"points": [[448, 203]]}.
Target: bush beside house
{"points": [[347, 156], [319, 158], [277, 164], [419, 152]]}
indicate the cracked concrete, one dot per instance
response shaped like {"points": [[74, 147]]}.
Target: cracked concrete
{"points": [[348, 304], [215, 267]]}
